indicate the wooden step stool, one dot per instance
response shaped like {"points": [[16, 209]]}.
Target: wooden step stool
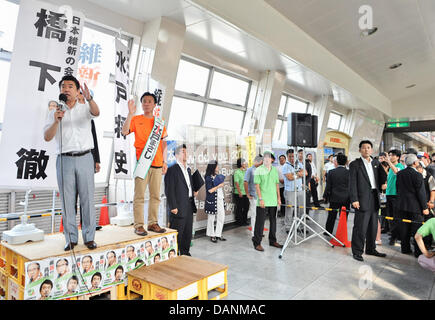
{"points": [[179, 278]]}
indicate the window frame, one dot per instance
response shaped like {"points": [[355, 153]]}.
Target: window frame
{"points": [[283, 117], [339, 124], [206, 100]]}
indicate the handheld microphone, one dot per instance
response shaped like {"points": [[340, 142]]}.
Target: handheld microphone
{"points": [[62, 102]]}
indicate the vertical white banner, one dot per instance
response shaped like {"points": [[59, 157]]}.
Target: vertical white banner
{"points": [[46, 48], [122, 158]]}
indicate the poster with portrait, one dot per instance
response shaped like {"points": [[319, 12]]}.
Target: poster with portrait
{"points": [[152, 249], [60, 277], [135, 256], [39, 283], [114, 267], [169, 246], [63, 271], [91, 269]]}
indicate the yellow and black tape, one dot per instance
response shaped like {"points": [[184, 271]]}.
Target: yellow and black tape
{"points": [[330, 209], [30, 216]]}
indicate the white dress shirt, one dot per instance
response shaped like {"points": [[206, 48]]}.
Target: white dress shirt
{"points": [[313, 170], [186, 177], [369, 168], [76, 129], [329, 166], [280, 175]]}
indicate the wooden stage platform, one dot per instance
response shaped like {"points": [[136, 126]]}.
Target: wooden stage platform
{"points": [[109, 237], [117, 248]]}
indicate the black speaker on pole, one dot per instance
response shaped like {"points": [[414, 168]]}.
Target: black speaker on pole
{"points": [[302, 130]]}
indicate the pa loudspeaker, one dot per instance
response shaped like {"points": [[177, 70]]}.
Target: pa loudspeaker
{"points": [[302, 130]]}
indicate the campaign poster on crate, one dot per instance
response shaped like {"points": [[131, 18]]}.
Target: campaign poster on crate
{"points": [[114, 267], [153, 249], [65, 277], [169, 246], [39, 283], [91, 276], [135, 254], [63, 272]]}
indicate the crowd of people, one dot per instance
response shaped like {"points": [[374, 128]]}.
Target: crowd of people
{"points": [[401, 186]]}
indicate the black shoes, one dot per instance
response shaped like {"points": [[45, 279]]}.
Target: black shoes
{"points": [[221, 238], [91, 245], [358, 257], [376, 254], [392, 242], [70, 246], [213, 239]]}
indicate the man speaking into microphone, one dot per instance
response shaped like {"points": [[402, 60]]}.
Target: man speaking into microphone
{"points": [[70, 125]]}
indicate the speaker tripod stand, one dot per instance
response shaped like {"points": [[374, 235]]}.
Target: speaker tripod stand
{"points": [[302, 220]]}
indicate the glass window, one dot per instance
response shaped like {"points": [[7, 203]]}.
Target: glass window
{"points": [[8, 23], [192, 78], [200, 88], [223, 118], [282, 105], [283, 137], [229, 89], [296, 106], [277, 130], [4, 77], [334, 121], [183, 112]]}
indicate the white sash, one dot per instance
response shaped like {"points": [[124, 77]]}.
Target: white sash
{"points": [[149, 152]]}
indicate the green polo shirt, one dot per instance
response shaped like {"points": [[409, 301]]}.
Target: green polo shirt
{"points": [[391, 181], [239, 177], [267, 179], [427, 228]]}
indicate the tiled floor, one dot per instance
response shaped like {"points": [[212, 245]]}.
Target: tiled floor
{"points": [[314, 270]]}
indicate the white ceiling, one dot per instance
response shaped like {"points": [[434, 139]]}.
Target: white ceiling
{"points": [[237, 50], [221, 39], [406, 34]]}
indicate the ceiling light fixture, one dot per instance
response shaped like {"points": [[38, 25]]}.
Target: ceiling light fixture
{"points": [[369, 32], [395, 66]]}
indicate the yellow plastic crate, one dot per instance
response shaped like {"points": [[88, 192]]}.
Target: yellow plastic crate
{"points": [[3, 285]]}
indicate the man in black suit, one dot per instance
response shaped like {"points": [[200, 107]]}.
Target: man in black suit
{"points": [[411, 200], [364, 195], [180, 199], [337, 191]]}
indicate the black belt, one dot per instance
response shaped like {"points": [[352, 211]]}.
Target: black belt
{"points": [[156, 167], [75, 154]]}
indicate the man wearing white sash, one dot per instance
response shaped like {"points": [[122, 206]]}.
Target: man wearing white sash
{"points": [[151, 155]]}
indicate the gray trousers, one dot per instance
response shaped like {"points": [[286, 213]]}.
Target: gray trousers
{"points": [[290, 200], [78, 176]]}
